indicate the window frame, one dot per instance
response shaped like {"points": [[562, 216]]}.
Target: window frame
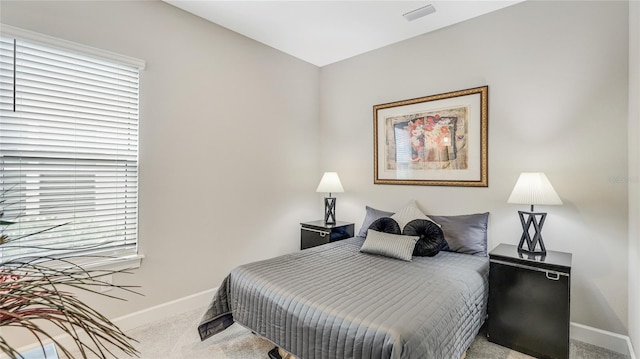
{"points": [[115, 260]]}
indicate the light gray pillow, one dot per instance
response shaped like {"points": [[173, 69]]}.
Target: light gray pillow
{"points": [[389, 245], [408, 214], [371, 215], [465, 233]]}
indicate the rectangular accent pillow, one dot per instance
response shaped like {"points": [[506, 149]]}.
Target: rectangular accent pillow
{"points": [[389, 245], [465, 233], [371, 215]]}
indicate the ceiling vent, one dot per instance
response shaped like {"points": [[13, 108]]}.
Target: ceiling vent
{"points": [[419, 12]]}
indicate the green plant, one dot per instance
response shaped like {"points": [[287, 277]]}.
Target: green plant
{"points": [[35, 290]]}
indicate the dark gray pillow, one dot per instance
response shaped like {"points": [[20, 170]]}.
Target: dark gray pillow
{"points": [[371, 215], [465, 233], [431, 240], [386, 225]]}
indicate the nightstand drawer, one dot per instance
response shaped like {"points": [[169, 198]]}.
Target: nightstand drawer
{"points": [[316, 233], [310, 237]]}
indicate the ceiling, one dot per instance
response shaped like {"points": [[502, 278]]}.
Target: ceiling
{"points": [[324, 32]]}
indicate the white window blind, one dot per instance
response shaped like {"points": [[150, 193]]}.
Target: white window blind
{"points": [[68, 152], [403, 144]]}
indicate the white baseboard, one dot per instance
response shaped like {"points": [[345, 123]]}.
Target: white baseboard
{"points": [[615, 342], [164, 310], [145, 316]]}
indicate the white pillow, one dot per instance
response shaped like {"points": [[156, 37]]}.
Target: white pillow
{"points": [[408, 214], [389, 245]]}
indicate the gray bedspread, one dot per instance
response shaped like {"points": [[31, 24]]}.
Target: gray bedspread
{"points": [[332, 301]]}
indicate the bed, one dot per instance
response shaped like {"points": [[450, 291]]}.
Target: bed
{"points": [[333, 301]]}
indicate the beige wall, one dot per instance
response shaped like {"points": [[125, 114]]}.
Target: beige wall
{"points": [[634, 175], [557, 77], [228, 155], [235, 136]]}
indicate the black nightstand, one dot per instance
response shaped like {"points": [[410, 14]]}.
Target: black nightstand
{"points": [[529, 300], [317, 233]]}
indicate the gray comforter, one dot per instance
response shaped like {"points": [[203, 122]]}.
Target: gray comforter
{"points": [[332, 301]]}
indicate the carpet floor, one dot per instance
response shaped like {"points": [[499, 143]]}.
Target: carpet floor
{"points": [[177, 338]]}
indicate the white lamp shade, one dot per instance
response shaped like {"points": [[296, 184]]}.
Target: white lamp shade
{"points": [[329, 183], [534, 188]]}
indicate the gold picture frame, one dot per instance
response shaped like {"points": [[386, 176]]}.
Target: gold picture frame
{"points": [[437, 140]]}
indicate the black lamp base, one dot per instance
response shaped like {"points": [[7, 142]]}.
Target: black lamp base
{"points": [[535, 245], [329, 210]]}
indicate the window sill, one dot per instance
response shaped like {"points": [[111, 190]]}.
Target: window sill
{"points": [[132, 261], [107, 263]]}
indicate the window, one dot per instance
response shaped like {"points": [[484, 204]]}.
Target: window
{"points": [[68, 148]]}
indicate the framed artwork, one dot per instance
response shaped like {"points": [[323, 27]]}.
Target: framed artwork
{"points": [[438, 140]]}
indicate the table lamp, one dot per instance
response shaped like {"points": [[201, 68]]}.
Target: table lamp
{"points": [[533, 188], [330, 183]]}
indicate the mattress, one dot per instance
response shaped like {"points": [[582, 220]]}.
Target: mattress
{"points": [[332, 301]]}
